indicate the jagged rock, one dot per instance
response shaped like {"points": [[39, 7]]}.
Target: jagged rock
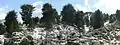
{"points": [[67, 35]]}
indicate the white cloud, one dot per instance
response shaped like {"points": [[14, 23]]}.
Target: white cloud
{"points": [[86, 2], [19, 18], [85, 7], [3, 12], [37, 3], [79, 7], [107, 6], [38, 6], [82, 7]]}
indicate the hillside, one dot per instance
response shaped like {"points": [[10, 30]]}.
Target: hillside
{"points": [[65, 35]]}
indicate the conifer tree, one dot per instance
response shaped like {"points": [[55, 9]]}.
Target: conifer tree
{"points": [[112, 18], [97, 19], [11, 22], [79, 19], [68, 14], [49, 15], [26, 13], [2, 29], [117, 15]]}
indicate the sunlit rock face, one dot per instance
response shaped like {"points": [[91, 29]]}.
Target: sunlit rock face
{"points": [[65, 35]]}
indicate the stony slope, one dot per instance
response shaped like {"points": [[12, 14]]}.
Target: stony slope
{"points": [[65, 35]]}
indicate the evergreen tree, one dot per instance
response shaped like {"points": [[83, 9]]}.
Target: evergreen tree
{"points": [[36, 20], [79, 19], [2, 29], [68, 14], [97, 19], [105, 17], [11, 22], [112, 18], [118, 15], [56, 16], [27, 13], [31, 24], [49, 15]]}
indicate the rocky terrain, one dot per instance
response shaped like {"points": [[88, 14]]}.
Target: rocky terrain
{"points": [[65, 35]]}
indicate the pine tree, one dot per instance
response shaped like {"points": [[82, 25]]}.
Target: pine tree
{"points": [[68, 14], [2, 29], [36, 20], [112, 18], [49, 15], [97, 19], [11, 22], [105, 17], [79, 19], [56, 16], [27, 13], [117, 15]]}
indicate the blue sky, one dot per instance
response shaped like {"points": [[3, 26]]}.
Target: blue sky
{"points": [[106, 6], [7, 5], [15, 4]]}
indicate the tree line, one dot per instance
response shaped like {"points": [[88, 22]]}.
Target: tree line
{"points": [[68, 16]]}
